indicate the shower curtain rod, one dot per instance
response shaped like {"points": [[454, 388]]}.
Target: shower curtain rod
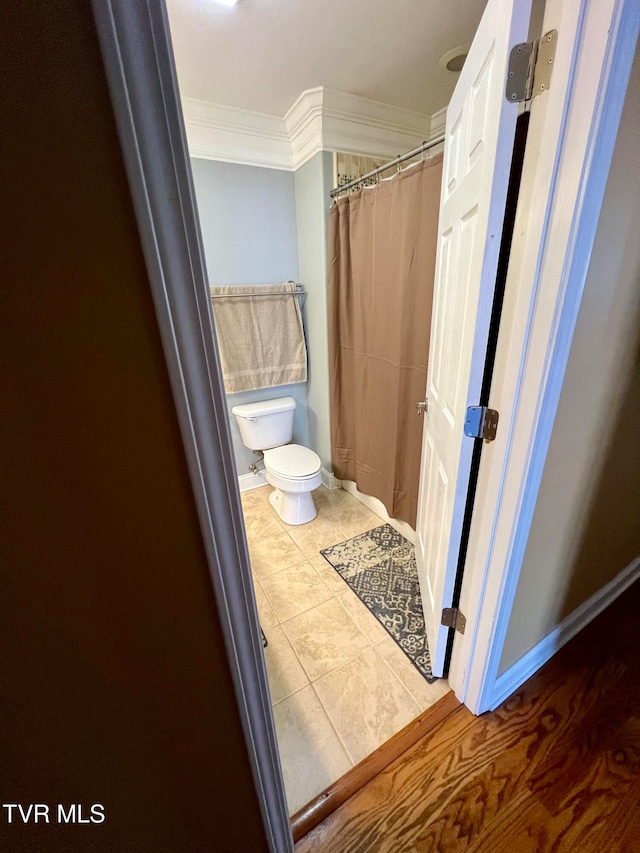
{"points": [[419, 150]]}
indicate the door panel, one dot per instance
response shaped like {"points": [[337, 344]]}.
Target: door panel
{"points": [[478, 145]]}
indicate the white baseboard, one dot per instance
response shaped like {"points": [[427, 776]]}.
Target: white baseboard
{"points": [[329, 481], [252, 481], [531, 662], [379, 508]]}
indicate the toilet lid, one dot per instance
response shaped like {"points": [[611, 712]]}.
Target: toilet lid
{"points": [[292, 460]]}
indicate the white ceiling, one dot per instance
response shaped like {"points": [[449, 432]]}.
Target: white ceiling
{"points": [[262, 54]]}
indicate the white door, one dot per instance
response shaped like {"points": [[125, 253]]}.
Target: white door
{"points": [[479, 137]]}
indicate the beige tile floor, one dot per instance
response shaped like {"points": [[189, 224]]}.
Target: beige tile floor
{"points": [[340, 685]]}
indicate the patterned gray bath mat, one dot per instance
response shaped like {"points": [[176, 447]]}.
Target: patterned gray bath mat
{"points": [[380, 567]]}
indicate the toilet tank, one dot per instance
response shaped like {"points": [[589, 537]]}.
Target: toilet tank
{"points": [[266, 424]]}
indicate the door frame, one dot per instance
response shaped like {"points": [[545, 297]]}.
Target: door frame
{"points": [[138, 59]]}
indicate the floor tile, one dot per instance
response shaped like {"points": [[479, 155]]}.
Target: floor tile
{"points": [[319, 533], [329, 575], [284, 671], [353, 520], [273, 554], [311, 754], [324, 638], [294, 590], [250, 498], [362, 616], [319, 631], [424, 693], [260, 520], [265, 612], [366, 703], [331, 500], [263, 492]]}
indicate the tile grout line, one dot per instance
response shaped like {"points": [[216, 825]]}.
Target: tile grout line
{"points": [[328, 713], [310, 684], [346, 592], [306, 674], [331, 723], [277, 571], [297, 656], [370, 644], [290, 695], [297, 565], [368, 612], [398, 679], [412, 667], [304, 754], [313, 680]]}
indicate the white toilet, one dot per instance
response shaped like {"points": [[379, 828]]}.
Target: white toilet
{"points": [[293, 470]]}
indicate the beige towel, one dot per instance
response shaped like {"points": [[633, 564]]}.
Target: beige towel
{"points": [[261, 338]]}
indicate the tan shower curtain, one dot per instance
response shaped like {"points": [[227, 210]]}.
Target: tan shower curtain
{"points": [[382, 250]]}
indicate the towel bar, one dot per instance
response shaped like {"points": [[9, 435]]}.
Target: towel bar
{"points": [[299, 291]]}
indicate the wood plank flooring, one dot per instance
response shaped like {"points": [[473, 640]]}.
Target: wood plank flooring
{"points": [[555, 768]]}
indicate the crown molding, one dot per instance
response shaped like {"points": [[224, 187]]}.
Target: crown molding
{"points": [[327, 120], [232, 135], [304, 123], [321, 119], [438, 122]]}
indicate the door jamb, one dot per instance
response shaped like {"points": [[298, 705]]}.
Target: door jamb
{"points": [[138, 58], [569, 157]]}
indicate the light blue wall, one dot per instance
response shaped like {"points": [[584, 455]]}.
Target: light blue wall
{"points": [[313, 182], [248, 223]]}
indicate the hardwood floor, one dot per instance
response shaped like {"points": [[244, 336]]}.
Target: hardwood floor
{"points": [[555, 768]]}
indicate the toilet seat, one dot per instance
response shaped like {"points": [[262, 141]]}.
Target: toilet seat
{"points": [[292, 462]]}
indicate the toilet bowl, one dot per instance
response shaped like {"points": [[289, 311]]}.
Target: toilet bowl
{"points": [[294, 472]]}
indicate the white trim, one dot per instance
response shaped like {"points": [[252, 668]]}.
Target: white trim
{"points": [[380, 509], [231, 135], [438, 123], [321, 119], [330, 481], [571, 138], [136, 50], [304, 123], [248, 482], [516, 675], [355, 125]]}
